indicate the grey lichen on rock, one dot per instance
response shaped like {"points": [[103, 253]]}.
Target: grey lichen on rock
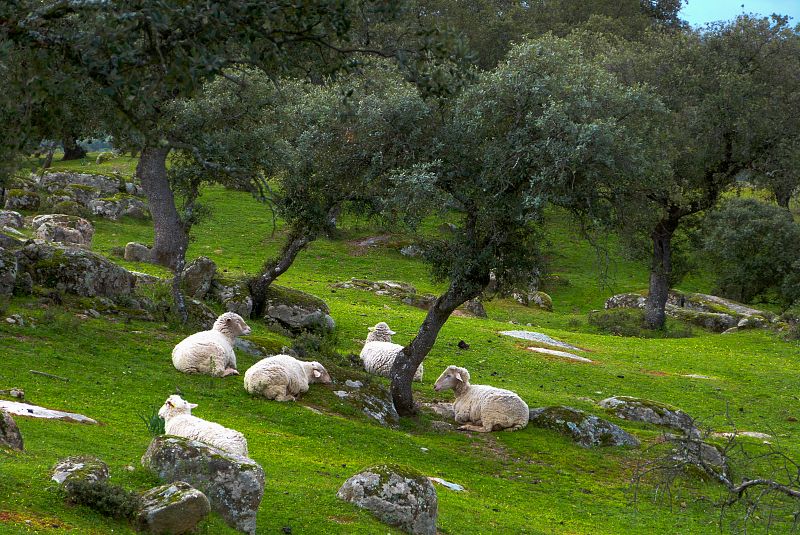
{"points": [[297, 311], [584, 429], [10, 436], [174, 508], [654, 412], [79, 468]]}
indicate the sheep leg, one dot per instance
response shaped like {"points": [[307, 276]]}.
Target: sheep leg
{"points": [[476, 428], [230, 371], [278, 393]]}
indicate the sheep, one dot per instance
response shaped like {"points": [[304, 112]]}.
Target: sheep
{"points": [[380, 333], [178, 420], [378, 358], [283, 377], [211, 352], [482, 408]]}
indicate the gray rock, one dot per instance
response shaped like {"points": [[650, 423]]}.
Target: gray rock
{"points": [[444, 410], [475, 308], [10, 437], [412, 251], [441, 427], [249, 347], [8, 272], [628, 300], [200, 315], [121, 205], [235, 298], [297, 311], [198, 276], [174, 508], [105, 185], [8, 241], [398, 496], [653, 412], [10, 218], [79, 468], [73, 270], [584, 429], [539, 337], [137, 252], [18, 199], [67, 229], [353, 384], [233, 484], [713, 321], [697, 452]]}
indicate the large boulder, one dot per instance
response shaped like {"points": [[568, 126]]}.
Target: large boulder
{"points": [[121, 205], [10, 437], [653, 412], [79, 468], [10, 218], [171, 509], [693, 451], [534, 298], [713, 321], [10, 241], [233, 484], [398, 496], [137, 252], [8, 272], [74, 271], [628, 300], [198, 277], [20, 199], [297, 311], [63, 181], [584, 429], [234, 297], [63, 228]]}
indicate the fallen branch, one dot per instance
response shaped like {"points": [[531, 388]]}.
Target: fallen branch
{"points": [[49, 375]]}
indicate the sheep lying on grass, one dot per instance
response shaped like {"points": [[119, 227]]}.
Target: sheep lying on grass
{"points": [[211, 352], [178, 420], [378, 358], [380, 333], [482, 408], [283, 378]]}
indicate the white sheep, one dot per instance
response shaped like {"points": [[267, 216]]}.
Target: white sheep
{"points": [[283, 377], [211, 352], [380, 333], [178, 421], [378, 358], [483, 408]]}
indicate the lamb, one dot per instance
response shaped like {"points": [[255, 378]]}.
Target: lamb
{"points": [[378, 358], [211, 352], [482, 408], [178, 420], [380, 333], [283, 377]]}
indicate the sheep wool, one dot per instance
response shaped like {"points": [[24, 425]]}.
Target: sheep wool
{"points": [[378, 358], [380, 333], [211, 352], [178, 421], [483, 408], [283, 377]]}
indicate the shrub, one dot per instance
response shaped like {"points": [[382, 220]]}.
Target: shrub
{"points": [[105, 498], [754, 248], [153, 422]]}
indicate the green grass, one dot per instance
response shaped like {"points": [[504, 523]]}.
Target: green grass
{"points": [[531, 481]]}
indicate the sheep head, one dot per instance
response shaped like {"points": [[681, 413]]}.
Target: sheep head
{"points": [[452, 377], [319, 374], [380, 333], [174, 406], [232, 324]]}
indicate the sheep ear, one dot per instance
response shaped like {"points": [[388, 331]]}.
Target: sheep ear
{"points": [[317, 375], [458, 376], [192, 405]]}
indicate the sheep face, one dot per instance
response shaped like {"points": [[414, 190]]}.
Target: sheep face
{"points": [[452, 377], [319, 374], [175, 405], [232, 323], [380, 333]]}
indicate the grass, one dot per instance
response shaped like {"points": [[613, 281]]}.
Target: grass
{"points": [[531, 481]]}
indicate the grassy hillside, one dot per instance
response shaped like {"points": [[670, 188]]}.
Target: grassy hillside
{"points": [[532, 481]]}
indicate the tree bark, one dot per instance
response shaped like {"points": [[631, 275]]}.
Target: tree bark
{"points": [[72, 151], [273, 269], [170, 240], [409, 359], [783, 196], [660, 273]]}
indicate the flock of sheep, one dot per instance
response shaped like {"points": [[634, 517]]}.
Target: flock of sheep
{"points": [[283, 378]]}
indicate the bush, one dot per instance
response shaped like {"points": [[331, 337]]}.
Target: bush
{"points": [[105, 498], [630, 322], [754, 248], [70, 208], [154, 423]]}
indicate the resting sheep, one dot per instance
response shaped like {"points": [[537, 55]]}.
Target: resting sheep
{"points": [[178, 420], [378, 358], [283, 378], [211, 352], [483, 408], [380, 333]]}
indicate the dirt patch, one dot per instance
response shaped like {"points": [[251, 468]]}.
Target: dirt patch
{"points": [[362, 246], [32, 521], [656, 373]]}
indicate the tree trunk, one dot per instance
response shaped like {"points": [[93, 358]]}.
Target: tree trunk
{"points": [[170, 240], [72, 151], [48, 159], [783, 196], [660, 273], [409, 359], [273, 269]]}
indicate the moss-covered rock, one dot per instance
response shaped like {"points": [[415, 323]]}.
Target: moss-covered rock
{"points": [[70, 208], [584, 429], [10, 437], [297, 311], [171, 509], [79, 468], [654, 412], [8, 272], [63, 228], [20, 199]]}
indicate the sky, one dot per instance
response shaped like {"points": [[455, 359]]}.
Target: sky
{"points": [[699, 12]]}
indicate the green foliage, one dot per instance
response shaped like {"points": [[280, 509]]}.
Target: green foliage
{"points": [[70, 208], [105, 498], [754, 250], [153, 422]]}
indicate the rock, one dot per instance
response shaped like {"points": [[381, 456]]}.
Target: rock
{"points": [[8, 241], [452, 486], [35, 411], [584, 429], [297, 311], [412, 251], [67, 229], [74, 271], [137, 252], [9, 218], [534, 298], [235, 297], [475, 308], [10, 437], [104, 157], [102, 184], [249, 347], [752, 322], [81, 467], [173, 508], [441, 427], [8, 272], [200, 315], [557, 353], [120, 205], [233, 484], [541, 338], [400, 497], [20, 199], [628, 300], [644, 410], [698, 452], [353, 384], [713, 321], [444, 410], [198, 276]]}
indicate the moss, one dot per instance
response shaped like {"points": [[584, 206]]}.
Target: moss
{"points": [[656, 406], [287, 296], [82, 187], [385, 471], [117, 197], [70, 208]]}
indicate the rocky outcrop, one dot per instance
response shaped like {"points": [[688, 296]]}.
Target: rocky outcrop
{"points": [[64, 181], [398, 496], [653, 412], [66, 229], [198, 277], [137, 252], [121, 205], [584, 429], [233, 484], [297, 311], [20, 199], [79, 468], [10, 437], [171, 509], [8, 272], [9, 218]]}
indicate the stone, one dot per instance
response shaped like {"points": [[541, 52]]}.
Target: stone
{"points": [[235, 297], [121, 205], [10, 437], [297, 311], [20, 199], [448, 484], [353, 384], [74, 270], [200, 315], [9, 241], [102, 184], [584, 429], [8, 272], [136, 252], [198, 276], [233, 484], [698, 452], [628, 300], [441, 427], [35, 411], [412, 251], [713, 321], [534, 298], [79, 468], [398, 496], [67, 229], [475, 308], [557, 353], [653, 412], [174, 508], [10, 218], [541, 338]]}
